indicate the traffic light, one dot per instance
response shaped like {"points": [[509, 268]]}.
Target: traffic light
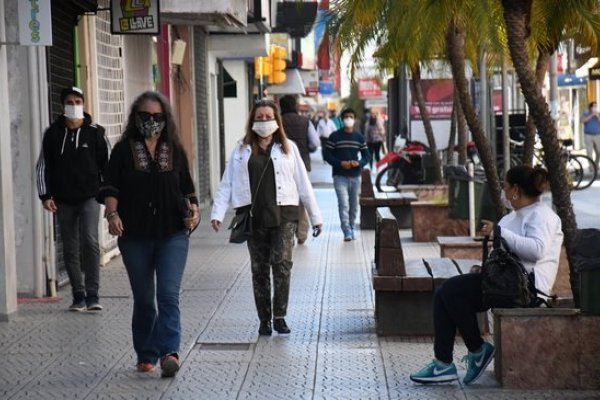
{"points": [[262, 67], [277, 56]]}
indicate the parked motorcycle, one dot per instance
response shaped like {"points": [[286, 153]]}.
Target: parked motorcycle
{"points": [[402, 166]]}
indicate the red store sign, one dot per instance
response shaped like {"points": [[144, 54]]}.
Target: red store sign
{"points": [[369, 87]]}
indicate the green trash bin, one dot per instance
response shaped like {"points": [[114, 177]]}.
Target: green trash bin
{"points": [[589, 289], [585, 254], [458, 195]]}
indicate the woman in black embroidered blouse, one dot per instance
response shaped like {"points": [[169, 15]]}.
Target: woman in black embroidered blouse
{"points": [[151, 205]]}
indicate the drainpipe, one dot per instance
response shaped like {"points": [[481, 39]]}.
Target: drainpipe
{"points": [[35, 145], [43, 244]]}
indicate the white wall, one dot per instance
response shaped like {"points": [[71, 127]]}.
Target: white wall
{"points": [[236, 109], [441, 132], [137, 71]]}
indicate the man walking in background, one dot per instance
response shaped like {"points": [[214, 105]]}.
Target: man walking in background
{"points": [[591, 130], [325, 127], [71, 166], [301, 130], [341, 151]]}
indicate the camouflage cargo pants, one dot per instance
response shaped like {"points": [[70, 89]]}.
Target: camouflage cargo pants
{"points": [[271, 250]]}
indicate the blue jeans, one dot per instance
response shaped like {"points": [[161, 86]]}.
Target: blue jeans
{"points": [[155, 269], [346, 189], [78, 224]]}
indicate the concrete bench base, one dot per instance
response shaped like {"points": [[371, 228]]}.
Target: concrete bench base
{"points": [[403, 313], [546, 348]]}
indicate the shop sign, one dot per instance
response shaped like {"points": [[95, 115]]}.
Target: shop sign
{"points": [[369, 87], [35, 23], [594, 72], [135, 17]]}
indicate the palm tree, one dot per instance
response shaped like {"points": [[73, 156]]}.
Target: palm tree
{"points": [[518, 16], [378, 22], [418, 91], [455, 40]]}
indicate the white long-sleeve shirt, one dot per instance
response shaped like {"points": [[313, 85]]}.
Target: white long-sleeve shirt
{"points": [[291, 182], [534, 234]]}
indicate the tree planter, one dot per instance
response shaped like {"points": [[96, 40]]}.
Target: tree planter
{"points": [[430, 220]]}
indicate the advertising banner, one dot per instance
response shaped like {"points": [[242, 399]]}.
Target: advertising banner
{"points": [[35, 23], [135, 17], [439, 96], [369, 87]]}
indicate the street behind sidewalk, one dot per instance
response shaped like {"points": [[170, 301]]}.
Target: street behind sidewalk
{"points": [[332, 352]]}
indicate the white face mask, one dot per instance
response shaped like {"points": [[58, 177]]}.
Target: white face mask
{"points": [[349, 122], [505, 202], [265, 128], [593, 109], [74, 111]]}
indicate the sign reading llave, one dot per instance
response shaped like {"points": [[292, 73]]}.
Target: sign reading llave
{"points": [[35, 23], [135, 17]]}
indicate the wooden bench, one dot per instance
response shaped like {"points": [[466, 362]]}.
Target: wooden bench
{"points": [[546, 348], [370, 200], [404, 288]]}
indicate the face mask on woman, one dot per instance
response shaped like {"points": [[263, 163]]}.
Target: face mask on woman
{"points": [[265, 128], [149, 125], [349, 122], [505, 202], [73, 111]]}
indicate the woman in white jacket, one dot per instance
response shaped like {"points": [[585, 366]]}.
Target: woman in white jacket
{"points": [[533, 232], [265, 170]]}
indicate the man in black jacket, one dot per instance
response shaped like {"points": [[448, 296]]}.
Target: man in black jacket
{"points": [[303, 133], [71, 166]]}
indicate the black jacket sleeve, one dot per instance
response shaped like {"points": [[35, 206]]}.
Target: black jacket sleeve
{"points": [[102, 153], [43, 167]]}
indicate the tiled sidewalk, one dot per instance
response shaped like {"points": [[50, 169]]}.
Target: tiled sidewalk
{"points": [[332, 352]]}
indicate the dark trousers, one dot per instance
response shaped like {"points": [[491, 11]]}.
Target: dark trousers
{"points": [[323, 144], [78, 224], [375, 150], [455, 306]]}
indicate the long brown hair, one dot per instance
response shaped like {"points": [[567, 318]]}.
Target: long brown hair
{"points": [[251, 137]]}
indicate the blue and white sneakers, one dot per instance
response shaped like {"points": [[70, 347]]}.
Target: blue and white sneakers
{"points": [[477, 362], [435, 372]]}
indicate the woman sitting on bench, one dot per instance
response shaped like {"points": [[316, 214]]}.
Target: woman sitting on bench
{"points": [[533, 232]]}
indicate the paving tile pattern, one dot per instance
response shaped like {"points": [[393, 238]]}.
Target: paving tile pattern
{"points": [[332, 352]]}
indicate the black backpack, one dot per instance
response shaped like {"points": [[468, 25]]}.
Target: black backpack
{"points": [[505, 283]]}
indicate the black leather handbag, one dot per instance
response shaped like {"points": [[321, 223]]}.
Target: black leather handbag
{"points": [[241, 226]]}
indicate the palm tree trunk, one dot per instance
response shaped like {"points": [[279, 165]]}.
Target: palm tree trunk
{"points": [[462, 130], [455, 42], [418, 91], [517, 16], [451, 137], [540, 73]]}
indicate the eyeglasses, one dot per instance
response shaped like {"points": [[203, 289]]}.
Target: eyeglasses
{"points": [[156, 117]]}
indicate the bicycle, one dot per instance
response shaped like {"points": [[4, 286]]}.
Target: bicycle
{"points": [[586, 162], [575, 164]]}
